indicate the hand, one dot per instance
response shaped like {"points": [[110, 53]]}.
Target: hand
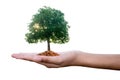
{"points": [[64, 59], [74, 58]]}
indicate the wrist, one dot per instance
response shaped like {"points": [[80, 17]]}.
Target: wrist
{"points": [[78, 58]]}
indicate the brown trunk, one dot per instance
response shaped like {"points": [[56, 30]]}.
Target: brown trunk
{"points": [[48, 44], [48, 52]]}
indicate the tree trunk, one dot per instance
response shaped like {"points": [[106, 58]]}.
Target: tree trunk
{"points": [[48, 44]]}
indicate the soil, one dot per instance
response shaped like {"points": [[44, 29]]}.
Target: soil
{"points": [[48, 53]]}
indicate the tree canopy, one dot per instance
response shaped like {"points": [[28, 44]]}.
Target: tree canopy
{"points": [[48, 24]]}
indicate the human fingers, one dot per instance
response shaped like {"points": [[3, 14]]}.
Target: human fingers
{"points": [[26, 56]]}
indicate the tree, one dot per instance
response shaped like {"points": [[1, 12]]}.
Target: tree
{"points": [[48, 24]]}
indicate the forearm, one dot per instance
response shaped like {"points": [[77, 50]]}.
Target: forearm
{"points": [[108, 61]]}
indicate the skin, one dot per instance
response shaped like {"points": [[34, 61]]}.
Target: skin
{"points": [[74, 58]]}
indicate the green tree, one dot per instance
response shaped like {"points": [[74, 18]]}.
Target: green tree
{"points": [[49, 25]]}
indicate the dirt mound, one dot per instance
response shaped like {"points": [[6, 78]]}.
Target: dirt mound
{"points": [[48, 53]]}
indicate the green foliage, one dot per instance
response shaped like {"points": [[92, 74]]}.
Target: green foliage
{"points": [[48, 24]]}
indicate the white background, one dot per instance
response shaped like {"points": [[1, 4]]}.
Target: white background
{"points": [[95, 27]]}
